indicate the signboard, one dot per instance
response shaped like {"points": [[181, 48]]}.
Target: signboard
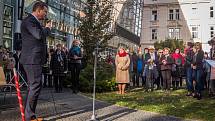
{"points": [[211, 63]]}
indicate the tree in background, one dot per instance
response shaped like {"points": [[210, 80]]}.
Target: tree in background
{"points": [[95, 26], [170, 43]]}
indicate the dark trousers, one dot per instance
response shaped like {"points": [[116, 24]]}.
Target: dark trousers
{"points": [[150, 79], [189, 80], [48, 79], [134, 79], [140, 75], [166, 74], [75, 69], [199, 82], [175, 82], [160, 79], [45, 80], [34, 77], [58, 83]]}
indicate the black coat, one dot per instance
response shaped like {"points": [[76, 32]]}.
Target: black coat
{"points": [[169, 63], [33, 41], [199, 60], [58, 68]]}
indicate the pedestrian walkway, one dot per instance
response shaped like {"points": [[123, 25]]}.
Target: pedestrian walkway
{"points": [[67, 106]]}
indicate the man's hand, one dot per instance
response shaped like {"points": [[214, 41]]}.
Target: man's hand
{"points": [[164, 62], [75, 57], [49, 25]]}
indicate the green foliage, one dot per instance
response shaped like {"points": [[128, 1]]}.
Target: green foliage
{"points": [[105, 79], [94, 27], [170, 43]]}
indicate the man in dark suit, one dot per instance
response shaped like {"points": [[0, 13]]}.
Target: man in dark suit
{"points": [[33, 54]]}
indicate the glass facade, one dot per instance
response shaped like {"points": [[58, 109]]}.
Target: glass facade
{"points": [[64, 16], [7, 24], [131, 16]]}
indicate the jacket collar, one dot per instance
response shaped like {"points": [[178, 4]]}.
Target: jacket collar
{"points": [[35, 19]]}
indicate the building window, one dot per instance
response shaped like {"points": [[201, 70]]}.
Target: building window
{"points": [[211, 12], [177, 33], [194, 10], [171, 14], [212, 31], [194, 32], [174, 14], [177, 15], [154, 15], [174, 33], [171, 32], [154, 34]]}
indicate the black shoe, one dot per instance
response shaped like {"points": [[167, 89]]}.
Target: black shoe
{"points": [[75, 91], [199, 97], [195, 96]]}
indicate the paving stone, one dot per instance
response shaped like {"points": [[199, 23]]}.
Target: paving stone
{"points": [[67, 106]]}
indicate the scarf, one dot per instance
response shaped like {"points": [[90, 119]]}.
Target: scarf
{"points": [[122, 54], [59, 56], [76, 50]]}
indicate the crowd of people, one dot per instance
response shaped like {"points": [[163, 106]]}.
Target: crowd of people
{"points": [[154, 67], [161, 69], [60, 60], [151, 69]]}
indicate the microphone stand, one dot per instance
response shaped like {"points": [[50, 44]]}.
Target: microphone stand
{"points": [[93, 117]]}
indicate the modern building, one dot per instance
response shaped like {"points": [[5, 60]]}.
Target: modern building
{"points": [[64, 15], [187, 20], [127, 23]]}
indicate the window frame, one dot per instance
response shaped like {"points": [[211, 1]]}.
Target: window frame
{"points": [[171, 15], [154, 33], [211, 12], [177, 14], [154, 16], [195, 32]]}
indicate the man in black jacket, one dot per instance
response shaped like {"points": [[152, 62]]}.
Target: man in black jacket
{"points": [[33, 54]]}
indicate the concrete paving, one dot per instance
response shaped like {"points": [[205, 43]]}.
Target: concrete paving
{"points": [[67, 106]]}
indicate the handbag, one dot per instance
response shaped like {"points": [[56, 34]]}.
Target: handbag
{"points": [[83, 62], [45, 69]]}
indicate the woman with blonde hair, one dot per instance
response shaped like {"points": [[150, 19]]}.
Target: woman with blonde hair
{"points": [[122, 62], [75, 56]]}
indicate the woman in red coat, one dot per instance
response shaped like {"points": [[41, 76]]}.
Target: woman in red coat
{"points": [[177, 71]]}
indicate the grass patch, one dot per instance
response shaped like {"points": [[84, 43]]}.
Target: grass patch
{"points": [[170, 103]]}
